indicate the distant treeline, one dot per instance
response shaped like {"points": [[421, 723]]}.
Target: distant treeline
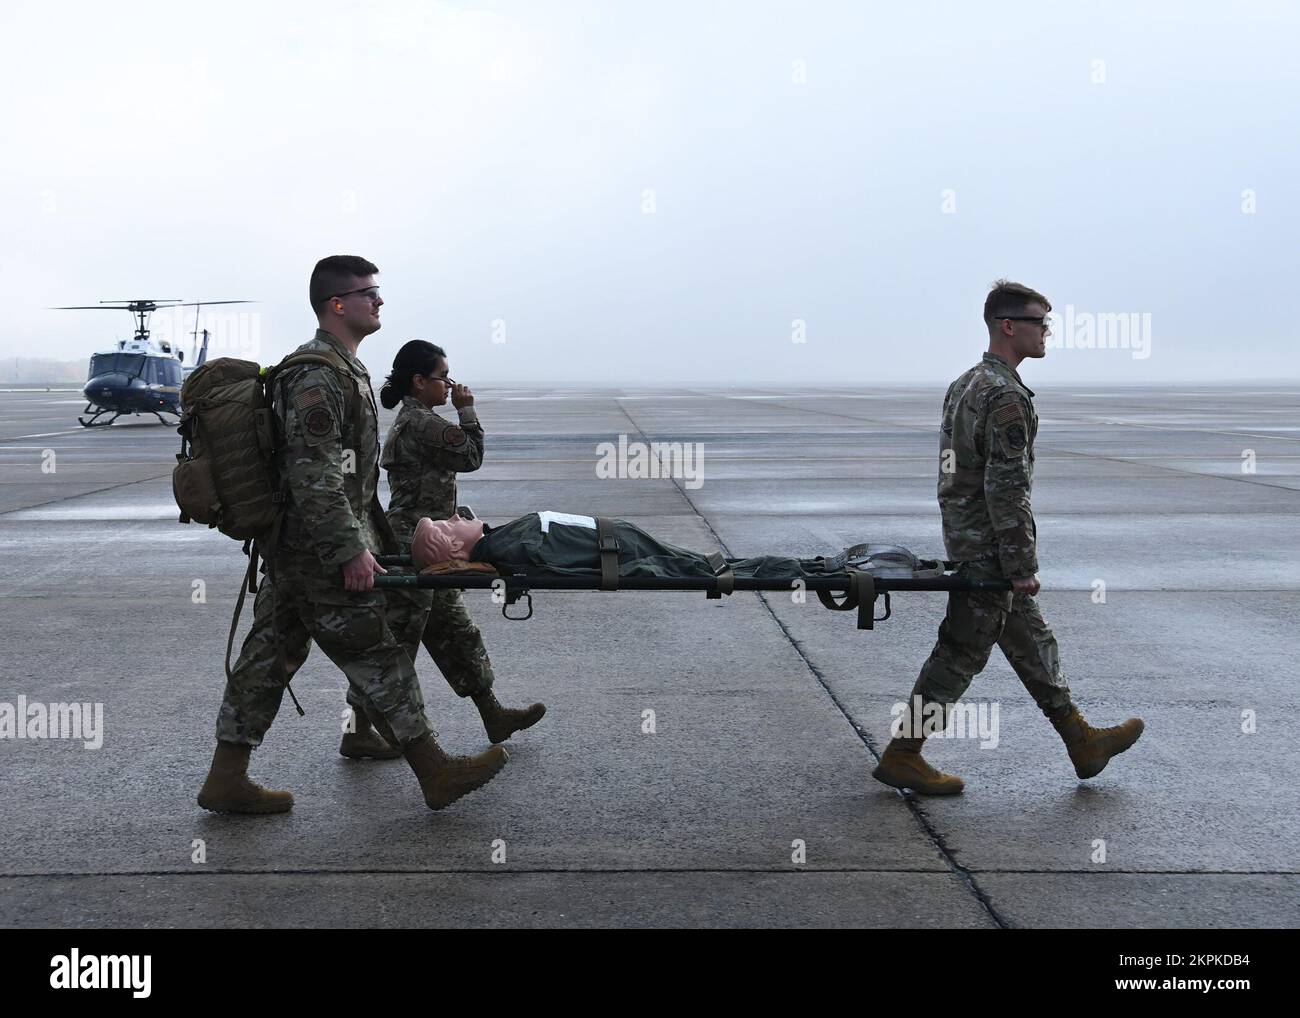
{"points": [[40, 371]]}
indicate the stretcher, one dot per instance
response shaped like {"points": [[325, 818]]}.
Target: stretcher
{"points": [[855, 579]]}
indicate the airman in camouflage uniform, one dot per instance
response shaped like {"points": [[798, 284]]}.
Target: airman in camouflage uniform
{"points": [[331, 526], [989, 426], [986, 472], [422, 454]]}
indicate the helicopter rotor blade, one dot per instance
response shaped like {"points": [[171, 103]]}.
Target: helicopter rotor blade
{"points": [[138, 305]]}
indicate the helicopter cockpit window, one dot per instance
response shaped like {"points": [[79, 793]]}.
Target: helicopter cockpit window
{"points": [[102, 363], [162, 371]]}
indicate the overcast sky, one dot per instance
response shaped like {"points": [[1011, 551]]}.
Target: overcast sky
{"points": [[655, 192]]}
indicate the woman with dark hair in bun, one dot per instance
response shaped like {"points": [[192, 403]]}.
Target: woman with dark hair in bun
{"points": [[422, 454]]}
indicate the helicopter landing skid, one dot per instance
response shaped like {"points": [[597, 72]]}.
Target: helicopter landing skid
{"points": [[95, 421]]}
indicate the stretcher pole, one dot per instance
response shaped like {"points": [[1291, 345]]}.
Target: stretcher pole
{"points": [[859, 589], [833, 584]]}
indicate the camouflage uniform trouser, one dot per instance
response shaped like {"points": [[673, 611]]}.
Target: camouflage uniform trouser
{"points": [[438, 619], [352, 630], [976, 620]]}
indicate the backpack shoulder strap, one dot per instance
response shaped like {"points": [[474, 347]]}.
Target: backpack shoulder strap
{"points": [[327, 357], [295, 360], [313, 357]]}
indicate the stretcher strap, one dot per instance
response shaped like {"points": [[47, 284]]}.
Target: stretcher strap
{"points": [[608, 543], [860, 595], [726, 578]]}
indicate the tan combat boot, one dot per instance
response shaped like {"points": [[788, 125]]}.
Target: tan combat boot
{"points": [[902, 766], [228, 788], [1091, 748], [443, 778], [502, 722], [365, 743]]}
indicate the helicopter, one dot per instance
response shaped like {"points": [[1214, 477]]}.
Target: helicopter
{"points": [[139, 375]]}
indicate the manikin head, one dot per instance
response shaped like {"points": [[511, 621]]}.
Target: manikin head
{"points": [[438, 541]]}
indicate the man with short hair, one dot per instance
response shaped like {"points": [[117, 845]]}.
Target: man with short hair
{"points": [[986, 468], [319, 583]]}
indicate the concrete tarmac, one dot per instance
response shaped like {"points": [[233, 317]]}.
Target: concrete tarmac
{"points": [[1167, 522]]}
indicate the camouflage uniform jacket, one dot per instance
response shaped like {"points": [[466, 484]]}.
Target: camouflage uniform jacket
{"points": [[986, 468], [422, 455], [329, 460]]}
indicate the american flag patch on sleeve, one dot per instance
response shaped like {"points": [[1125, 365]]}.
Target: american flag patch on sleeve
{"points": [[308, 399], [1008, 413]]}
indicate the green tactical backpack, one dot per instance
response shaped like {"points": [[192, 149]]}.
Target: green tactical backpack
{"points": [[225, 474]]}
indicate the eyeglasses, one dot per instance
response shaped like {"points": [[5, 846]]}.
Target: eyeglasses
{"points": [[446, 380], [371, 293], [1038, 320]]}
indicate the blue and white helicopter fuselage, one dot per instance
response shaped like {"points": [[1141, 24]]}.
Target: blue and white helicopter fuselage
{"points": [[137, 376]]}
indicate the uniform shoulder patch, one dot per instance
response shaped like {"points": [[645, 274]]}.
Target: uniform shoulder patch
{"points": [[1008, 413], [318, 421], [453, 435], [1007, 419], [309, 398]]}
